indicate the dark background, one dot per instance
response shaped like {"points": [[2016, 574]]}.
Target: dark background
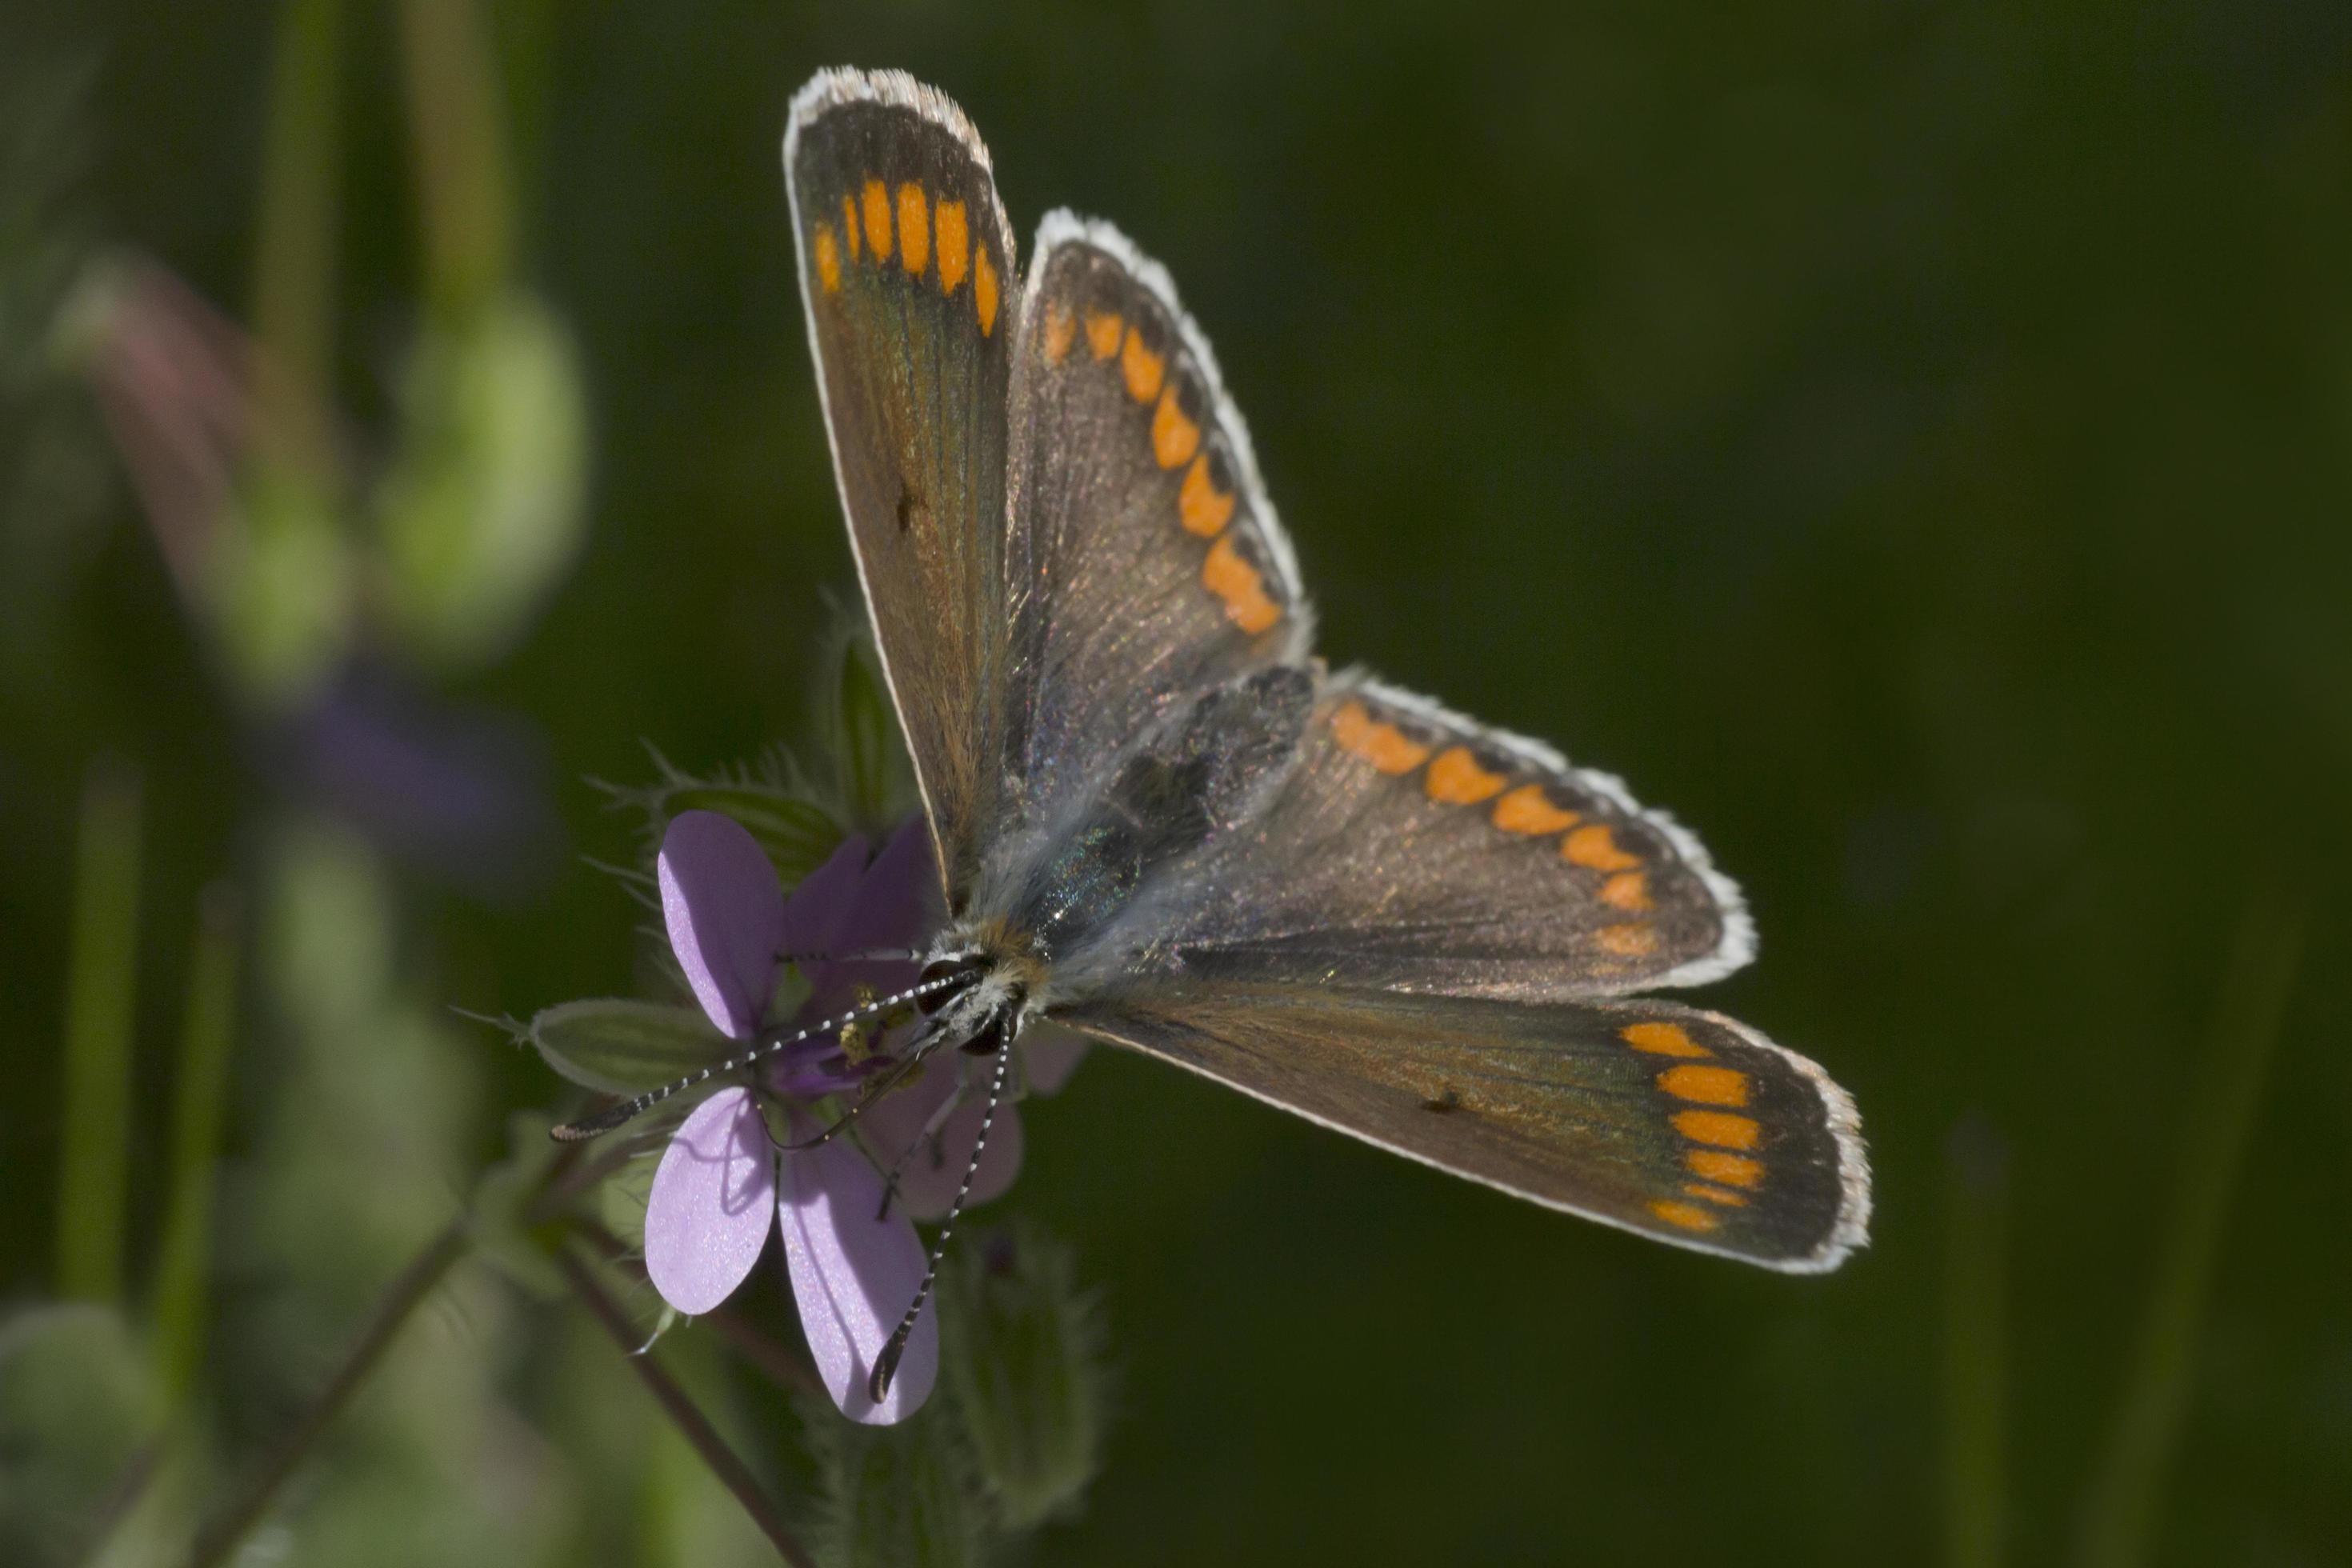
{"points": [[1911, 442]]}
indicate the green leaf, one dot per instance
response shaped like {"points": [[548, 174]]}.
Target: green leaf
{"points": [[484, 510], [867, 739], [616, 1047], [1022, 1354]]}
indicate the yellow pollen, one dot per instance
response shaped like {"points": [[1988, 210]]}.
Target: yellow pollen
{"points": [[1527, 809]]}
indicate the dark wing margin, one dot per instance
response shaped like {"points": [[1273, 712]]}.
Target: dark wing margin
{"points": [[1676, 1123], [1412, 849], [907, 274]]}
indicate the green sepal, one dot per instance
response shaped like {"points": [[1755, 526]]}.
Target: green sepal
{"points": [[615, 1045], [1022, 1347], [895, 1497]]}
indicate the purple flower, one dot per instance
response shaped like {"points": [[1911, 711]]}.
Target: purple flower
{"points": [[855, 1261]]}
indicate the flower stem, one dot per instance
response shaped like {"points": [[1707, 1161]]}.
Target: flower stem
{"points": [[219, 1539], [776, 1361], [690, 1422]]}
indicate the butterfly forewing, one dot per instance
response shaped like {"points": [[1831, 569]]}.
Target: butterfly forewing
{"points": [[1678, 1123], [1146, 563], [1412, 849], [906, 270]]}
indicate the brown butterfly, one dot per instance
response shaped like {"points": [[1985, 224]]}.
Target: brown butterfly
{"points": [[1160, 822]]}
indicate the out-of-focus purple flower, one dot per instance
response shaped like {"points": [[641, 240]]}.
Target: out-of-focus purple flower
{"points": [[854, 1259]]}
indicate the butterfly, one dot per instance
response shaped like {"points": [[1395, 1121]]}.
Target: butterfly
{"points": [[1161, 822]]}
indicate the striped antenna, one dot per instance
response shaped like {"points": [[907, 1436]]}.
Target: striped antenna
{"points": [[628, 1110]]}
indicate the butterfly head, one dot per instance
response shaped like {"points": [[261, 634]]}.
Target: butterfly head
{"points": [[986, 986]]}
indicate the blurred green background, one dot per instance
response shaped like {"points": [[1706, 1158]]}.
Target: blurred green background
{"points": [[1911, 442]]}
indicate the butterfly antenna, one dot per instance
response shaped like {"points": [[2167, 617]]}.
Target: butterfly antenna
{"points": [[885, 1365], [628, 1110]]}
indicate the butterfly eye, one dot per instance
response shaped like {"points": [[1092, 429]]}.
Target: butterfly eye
{"points": [[945, 979]]}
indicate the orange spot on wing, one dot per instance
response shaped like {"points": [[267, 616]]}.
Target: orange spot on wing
{"points": [[1662, 1040], [1688, 1216], [1061, 330], [849, 223], [1632, 941], [1627, 890], [1527, 809], [1595, 846], [954, 237], [1719, 1127], [1384, 746], [983, 287], [1715, 1195], [1104, 328], [1204, 508], [878, 220], [1707, 1086], [1175, 438], [914, 227], [1143, 369], [1731, 1170], [1456, 778], [828, 258], [1239, 584]]}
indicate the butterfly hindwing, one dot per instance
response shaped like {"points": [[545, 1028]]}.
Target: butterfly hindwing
{"points": [[907, 271], [1680, 1124], [1412, 849], [1145, 561]]}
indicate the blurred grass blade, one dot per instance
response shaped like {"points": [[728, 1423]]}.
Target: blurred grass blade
{"points": [[199, 1099], [2119, 1512], [98, 994], [461, 162], [1976, 1346], [294, 267]]}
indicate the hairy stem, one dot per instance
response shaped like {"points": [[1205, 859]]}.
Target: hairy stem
{"points": [[690, 1422]]}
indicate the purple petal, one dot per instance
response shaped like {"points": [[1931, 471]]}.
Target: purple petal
{"points": [[726, 916], [707, 1217], [892, 907], [1049, 1054], [854, 1275], [930, 1174], [814, 913]]}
